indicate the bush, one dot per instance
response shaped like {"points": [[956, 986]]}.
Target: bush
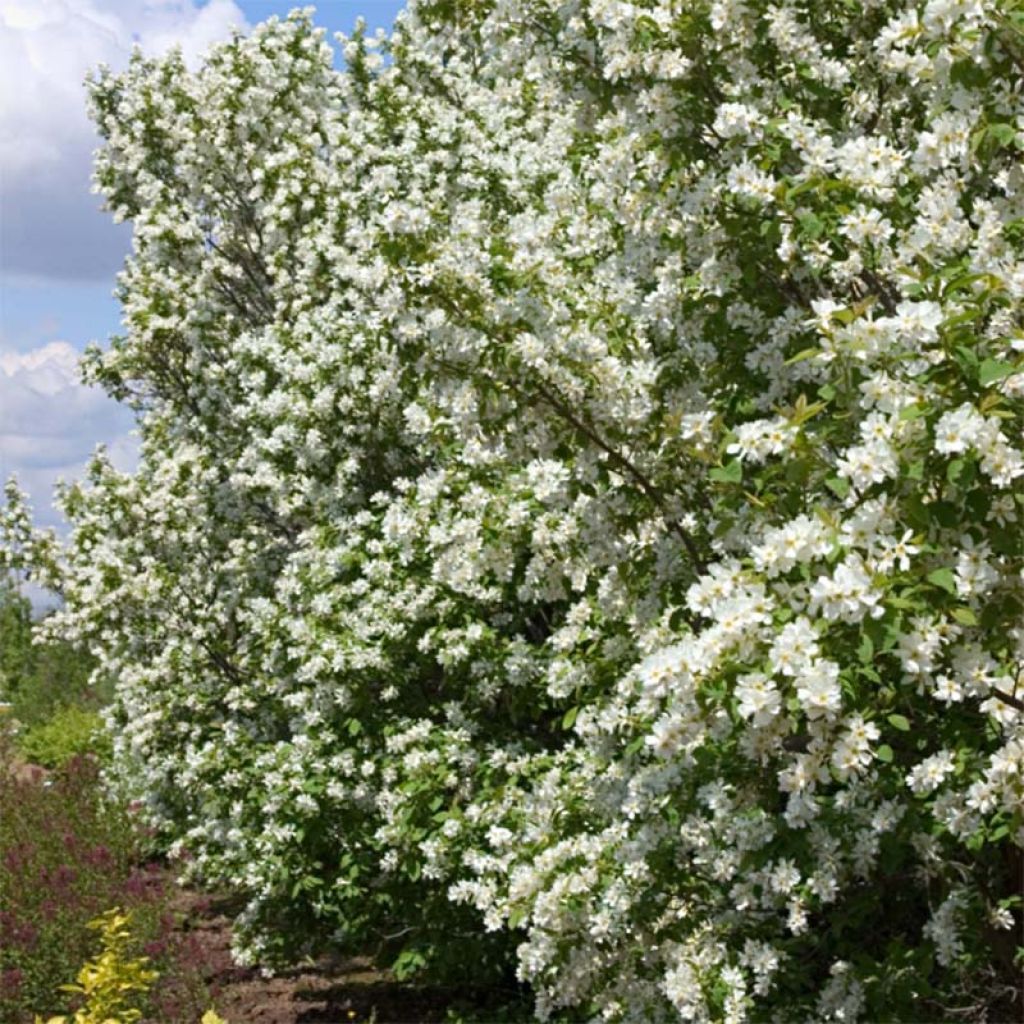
{"points": [[578, 516], [66, 855], [40, 679], [113, 981], [71, 732], [15, 635]]}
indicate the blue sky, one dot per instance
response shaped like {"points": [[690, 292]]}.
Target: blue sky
{"points": [[58, 253]]}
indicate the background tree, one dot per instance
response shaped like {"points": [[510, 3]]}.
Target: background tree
{"points": [[15, 636]]}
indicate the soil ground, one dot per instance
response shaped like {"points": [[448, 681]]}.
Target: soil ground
{"points": [[332, 991]]}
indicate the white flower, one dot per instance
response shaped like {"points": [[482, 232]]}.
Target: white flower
{"points": [[897, 552], [943, 930], [734, 120], [852, 753], [930, 773], [666, 670], [947, 689], [867, 464], [795, 647], [848, 594], [796, 916], [1001, 918], [918, 322], [782, 877], [975, 575], [667, 736], [817, 689], [758, 698], [865, 225], [959, 430], [802, 539], [756, 440], [749, 180]]}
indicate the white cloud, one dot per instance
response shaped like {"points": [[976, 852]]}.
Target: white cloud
{"points": [[50, 423], [52, 225]]}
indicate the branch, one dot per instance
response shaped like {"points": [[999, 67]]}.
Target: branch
{"points": [[650, 489], [1008, 698], [262, 300], [885, 294]]}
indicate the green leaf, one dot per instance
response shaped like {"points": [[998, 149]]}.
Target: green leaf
{"points": [[992, 370], [966, 357], [807, 353], [731, 473], [884, 753], [804, 186], [409, 961], [634, 746], [954, 470], [866, 650], [961, 283], [838, 486], [1002, 132], [960, 319], [812, 225], [943, 578], [913, 412], [965, 616], [569, 718], [899, 722]]}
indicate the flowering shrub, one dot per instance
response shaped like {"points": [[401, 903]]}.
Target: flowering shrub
{"points": [[580, 496]]}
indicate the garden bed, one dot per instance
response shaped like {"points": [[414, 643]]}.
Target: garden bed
{"points": [[66, 857], [332, 990]]}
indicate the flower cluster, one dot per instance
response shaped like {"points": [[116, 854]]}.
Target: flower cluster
{"points": [[580, 494]]}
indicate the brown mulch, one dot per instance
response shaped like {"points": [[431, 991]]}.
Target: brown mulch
{"points": [[332, 991], [24, 771]]}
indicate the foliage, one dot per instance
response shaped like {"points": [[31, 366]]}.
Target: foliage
{"points": [[66, 854], [40, 679], [580, 496], [71, 732], [15, 635], [113, 980]]}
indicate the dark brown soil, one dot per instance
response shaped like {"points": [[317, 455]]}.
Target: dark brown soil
{"points": [[337, 991]]}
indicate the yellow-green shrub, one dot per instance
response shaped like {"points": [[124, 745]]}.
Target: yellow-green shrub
{"points": [[110, 981], [71, 732]]}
